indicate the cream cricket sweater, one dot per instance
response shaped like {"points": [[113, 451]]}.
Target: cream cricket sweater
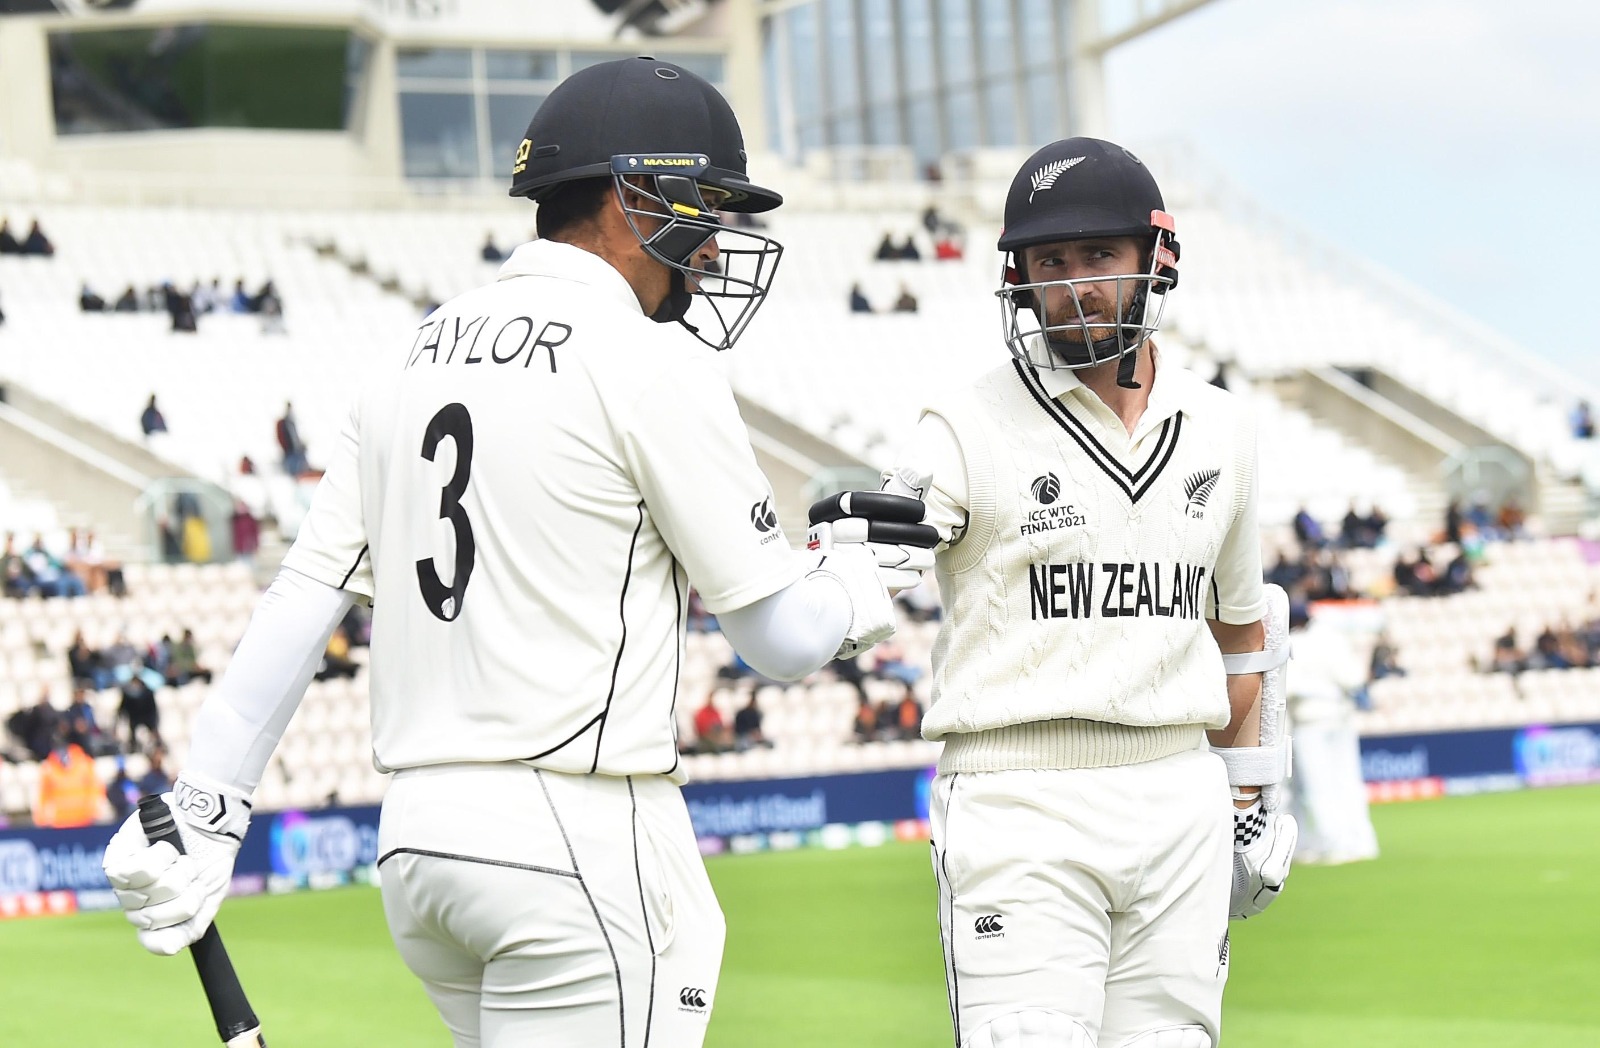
{"points": [[1076, 595]]}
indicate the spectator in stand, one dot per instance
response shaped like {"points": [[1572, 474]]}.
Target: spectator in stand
{"points": [[747, 727], [70, 793], [122, 792], [1453, 519], [1583, 421], [289, 442], [1308, 530], [37, 243], [908, 251], [239, 301], [83, 728], [1512, 521], [907, 302], [850, 672], [246, 532], [87, 665], [139, 709], [1377, 526], [866, 722], [183, 661], [156, 780], [14, 574], [1507, 657], [710, 730], [1353, 529], [1220, 379], [858, 300], [1457, 577], [886, 252], [490, 252], [179, 308], [151, 420], [9, 244], [948, 248], [931, 220], [890, 663], [86, 558], [128, 301], [89, 301], [1385, 660], [336, 660], [1547, 653], [272, 315], [908, 716], [35, 726], [50, 576]]}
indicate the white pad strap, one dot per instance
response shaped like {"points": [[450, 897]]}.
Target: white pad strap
{"points": [[1254, 765], [1254, 661], [1268, 764]]}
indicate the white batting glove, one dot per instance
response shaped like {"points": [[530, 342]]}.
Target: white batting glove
{"points": [[172, 899], [888, 523], [872, 617], [1263, 847]]}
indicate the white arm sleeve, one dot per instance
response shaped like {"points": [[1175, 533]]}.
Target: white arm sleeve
{"points": [[241, 721], [792, 632]]}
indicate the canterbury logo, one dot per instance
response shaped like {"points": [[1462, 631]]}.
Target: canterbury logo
{"points": [[1199, 487], [988, 924], [691, 997], [1046, 176], [762, 517]]}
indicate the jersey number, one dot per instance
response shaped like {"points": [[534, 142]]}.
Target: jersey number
{"points": [[454, 422]]}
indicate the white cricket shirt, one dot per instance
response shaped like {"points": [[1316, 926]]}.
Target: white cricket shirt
{"points": [[1080, 565], [525, 493]]}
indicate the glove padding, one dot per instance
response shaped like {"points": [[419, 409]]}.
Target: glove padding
{"points": [[872, 617], [1263, 848], [172, 899], [888, 523]]}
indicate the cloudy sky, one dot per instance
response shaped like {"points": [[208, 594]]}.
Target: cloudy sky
{"points": [[1453, 142]]}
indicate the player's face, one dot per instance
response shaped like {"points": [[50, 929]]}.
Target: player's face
{"points": [[1090, 300], [647, 208]]}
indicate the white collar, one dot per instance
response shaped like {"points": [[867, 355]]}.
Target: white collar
{"points": [[551, 258], [1165, 396]]}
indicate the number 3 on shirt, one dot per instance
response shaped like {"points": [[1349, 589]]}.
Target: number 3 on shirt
{"points": [[454, 422]]}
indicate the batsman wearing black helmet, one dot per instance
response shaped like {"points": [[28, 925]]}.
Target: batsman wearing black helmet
{"points": [[525, 491], [1110, 665]]}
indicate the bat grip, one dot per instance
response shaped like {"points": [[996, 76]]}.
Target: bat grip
{"points": [[230, 1009]]}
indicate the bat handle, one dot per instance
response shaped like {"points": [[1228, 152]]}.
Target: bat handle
{"points": [[236, 1022]]}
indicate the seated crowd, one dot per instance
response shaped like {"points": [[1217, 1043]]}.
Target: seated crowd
{"points": [[75, 566]]}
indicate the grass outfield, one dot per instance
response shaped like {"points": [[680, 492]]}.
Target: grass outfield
{"points": [[1479, 928]]}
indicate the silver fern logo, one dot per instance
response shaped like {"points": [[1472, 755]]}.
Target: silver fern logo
{"points": [[1046, 176], [1199, 487]]}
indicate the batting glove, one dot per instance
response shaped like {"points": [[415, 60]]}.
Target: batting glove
{"points": [[1263, 847], [887, 523], [172, 899], [872, 617]]}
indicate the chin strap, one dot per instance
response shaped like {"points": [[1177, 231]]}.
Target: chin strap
{"points": [[1125, 368], [675, 306]]}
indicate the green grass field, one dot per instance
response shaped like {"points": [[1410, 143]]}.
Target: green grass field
{"points": [[1479, 928]]}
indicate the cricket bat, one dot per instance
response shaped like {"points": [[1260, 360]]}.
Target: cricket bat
{"points": [[237, 1024]]}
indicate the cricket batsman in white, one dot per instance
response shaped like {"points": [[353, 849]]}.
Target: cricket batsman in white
{"points": [[525, 491], [1108, 679]]}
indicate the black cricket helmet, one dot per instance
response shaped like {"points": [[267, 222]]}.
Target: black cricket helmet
{"points": [[1079, 189], [672, 147]]}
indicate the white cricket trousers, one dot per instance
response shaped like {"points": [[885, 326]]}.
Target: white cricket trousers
{"points": [[1097, 894], [551, 910]]}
